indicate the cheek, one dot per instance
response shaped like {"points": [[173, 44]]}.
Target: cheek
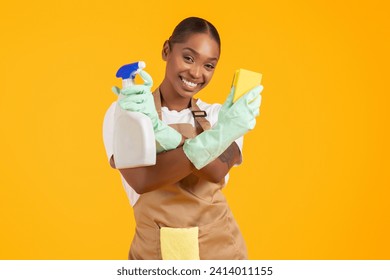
{"points": [[171, 68], [175, 65], [208, 76]]}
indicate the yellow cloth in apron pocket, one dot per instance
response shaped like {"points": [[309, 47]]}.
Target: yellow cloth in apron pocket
{"points": [[179, 243]]}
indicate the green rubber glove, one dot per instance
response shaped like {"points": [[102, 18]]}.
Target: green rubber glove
{"points": [[234, 120], [139, 98]]}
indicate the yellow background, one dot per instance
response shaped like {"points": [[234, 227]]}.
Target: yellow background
{"points": [[315, 179]]}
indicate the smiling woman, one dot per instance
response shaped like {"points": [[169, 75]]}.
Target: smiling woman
{"points": [[190, 66], [191, 53], [178, 204]]}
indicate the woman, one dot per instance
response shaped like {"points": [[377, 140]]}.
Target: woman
{"points": [[179, 208]]}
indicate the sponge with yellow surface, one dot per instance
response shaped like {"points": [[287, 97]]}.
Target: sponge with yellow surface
{"points": [[245, 80], [179, 243]]}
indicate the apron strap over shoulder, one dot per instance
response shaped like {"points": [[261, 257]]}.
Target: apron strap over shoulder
{"points": [[201, 122], [199, 116], [157, 102]]}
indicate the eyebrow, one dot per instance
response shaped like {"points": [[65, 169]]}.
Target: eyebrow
{"points": [[194, 51]]}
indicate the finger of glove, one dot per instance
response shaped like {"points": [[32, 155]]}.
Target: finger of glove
{"points": [[229, 100], [116, 90], [258, 89], [245, 111], [255, 103], [146, 77], [136, 89], [149, 98], [252, 124], [150, 106], [136, 98], [252, 94], [131, 106], [243, 101]]}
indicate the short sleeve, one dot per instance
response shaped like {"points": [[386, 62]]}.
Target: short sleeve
{"points": [[240, 142]]}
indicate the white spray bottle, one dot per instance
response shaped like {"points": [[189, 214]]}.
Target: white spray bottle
{"points": [[134, 141]]}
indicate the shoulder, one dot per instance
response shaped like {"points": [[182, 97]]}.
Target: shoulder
{"points": [[207, 106]]}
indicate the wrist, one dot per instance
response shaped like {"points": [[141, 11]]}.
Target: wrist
{"points": [[167, 137], [183, 139], [205, 147], [196, 152]]}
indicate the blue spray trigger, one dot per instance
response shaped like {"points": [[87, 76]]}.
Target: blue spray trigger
{"points": [[127, 70], [130, 70]]}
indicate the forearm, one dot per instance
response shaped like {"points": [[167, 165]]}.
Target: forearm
{"points": [[216, 170], [170, 167]]}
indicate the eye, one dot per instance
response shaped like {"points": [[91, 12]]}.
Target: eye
{"points": [[209, 66], [189, 59]]}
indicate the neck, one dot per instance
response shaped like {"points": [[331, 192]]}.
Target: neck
{"points": [[173, 102]]}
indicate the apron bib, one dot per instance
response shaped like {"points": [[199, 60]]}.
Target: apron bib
{"points": [[189, 219]]}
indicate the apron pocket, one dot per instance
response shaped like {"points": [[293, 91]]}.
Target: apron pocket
{"points": [[145, 244], [219, 241], [179, 243]]}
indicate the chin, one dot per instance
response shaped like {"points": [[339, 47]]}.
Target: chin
{"points": [[187, 93]]}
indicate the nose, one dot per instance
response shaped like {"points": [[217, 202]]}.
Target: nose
{"points": [[195, 71]]}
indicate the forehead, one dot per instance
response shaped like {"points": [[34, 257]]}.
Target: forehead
{"points": [[202, 43]]}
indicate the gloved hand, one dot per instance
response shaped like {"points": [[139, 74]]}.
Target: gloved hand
{"points": [[234, 120], [139, 98]]}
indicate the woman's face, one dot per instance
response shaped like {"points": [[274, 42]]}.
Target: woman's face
{"points": [[190, 65]]}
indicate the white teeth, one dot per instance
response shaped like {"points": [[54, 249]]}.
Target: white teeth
{"points": [[188, 83]]}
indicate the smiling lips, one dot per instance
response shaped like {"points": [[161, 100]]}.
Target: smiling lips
{"points": [[188, 83]]}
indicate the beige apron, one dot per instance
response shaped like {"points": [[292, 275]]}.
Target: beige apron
{"points": [[192, 208]]}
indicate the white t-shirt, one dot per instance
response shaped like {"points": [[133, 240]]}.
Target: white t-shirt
{"points": [[169, 117]]}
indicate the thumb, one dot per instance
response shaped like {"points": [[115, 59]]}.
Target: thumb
{"points": [[136, 89], [147, 78], [229, 100]]}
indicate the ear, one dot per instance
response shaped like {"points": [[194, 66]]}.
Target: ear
{"points": [[166, 50]]}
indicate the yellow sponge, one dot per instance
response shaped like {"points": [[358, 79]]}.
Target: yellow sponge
{"points": [[245, 80], [179, 243]]}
